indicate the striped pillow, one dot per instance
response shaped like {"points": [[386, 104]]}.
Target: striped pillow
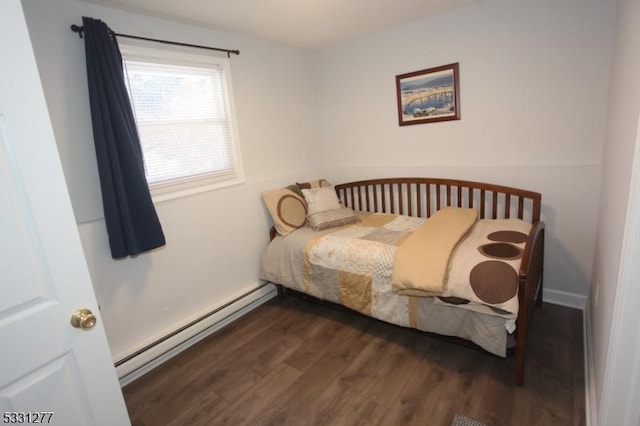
{"points": [[332, 218]]}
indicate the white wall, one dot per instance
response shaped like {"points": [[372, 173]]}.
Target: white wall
{"points": [[214, 240], [533, 83], [533, 100], [621, 138]]}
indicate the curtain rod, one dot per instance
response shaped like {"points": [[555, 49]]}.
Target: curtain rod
{"points": [[79, 30]]}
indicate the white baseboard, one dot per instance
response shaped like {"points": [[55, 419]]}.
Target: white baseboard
{"points": [[148, 359], [563, 298], [591, 407]]}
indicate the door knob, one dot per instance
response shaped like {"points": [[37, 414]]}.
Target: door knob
{"points": [[83, 319]]}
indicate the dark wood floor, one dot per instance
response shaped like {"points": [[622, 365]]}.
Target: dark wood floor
{"points": [[298, 362]]}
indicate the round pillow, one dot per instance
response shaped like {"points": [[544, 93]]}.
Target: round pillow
{"points": [[292, 211]]}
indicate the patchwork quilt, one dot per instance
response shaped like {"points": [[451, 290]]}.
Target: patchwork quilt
{"points": [[480, 269], [359, 259]]}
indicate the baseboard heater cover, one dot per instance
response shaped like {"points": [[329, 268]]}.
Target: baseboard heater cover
{"points": [[152, 355]]}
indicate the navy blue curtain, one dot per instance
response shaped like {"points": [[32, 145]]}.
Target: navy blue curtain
{"points": [[131, 218]]}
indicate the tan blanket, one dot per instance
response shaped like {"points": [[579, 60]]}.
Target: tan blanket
{"points": [[421, 263]]}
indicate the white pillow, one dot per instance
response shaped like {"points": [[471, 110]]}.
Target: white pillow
{"points": [[321, 199]]}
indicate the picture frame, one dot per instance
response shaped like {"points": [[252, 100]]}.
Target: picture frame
{"points": [[429, 95]]}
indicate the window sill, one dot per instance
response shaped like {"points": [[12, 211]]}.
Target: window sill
{"points": [[182, 190]]}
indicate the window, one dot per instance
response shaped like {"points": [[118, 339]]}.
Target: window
{"points": [[184, 114]]}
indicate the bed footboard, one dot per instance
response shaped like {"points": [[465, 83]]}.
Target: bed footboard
{"points": [[529, 292], [421, 197]]}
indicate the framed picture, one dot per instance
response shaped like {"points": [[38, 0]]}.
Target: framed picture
{"points": [[430, 95]]}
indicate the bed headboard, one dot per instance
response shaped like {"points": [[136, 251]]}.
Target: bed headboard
{"points": [[421, 197]]}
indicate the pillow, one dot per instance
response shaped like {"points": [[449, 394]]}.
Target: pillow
{"points": [[288, 210], [321, 199], [332, 218], [296, 189], [319, 183]]}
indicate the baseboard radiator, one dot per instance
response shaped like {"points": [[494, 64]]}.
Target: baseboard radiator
{"points": [[153, 354]]}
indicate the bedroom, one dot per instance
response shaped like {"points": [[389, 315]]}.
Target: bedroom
{"points": [[552, 61]]}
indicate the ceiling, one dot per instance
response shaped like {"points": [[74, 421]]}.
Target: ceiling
{"points": [[311, 24]]}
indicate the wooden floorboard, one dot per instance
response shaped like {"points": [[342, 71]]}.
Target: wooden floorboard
{"points": [[298, 362]]}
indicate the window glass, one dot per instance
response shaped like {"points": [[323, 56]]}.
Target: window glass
{"points": [[183, 112]]}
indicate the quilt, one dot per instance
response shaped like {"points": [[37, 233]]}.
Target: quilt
{"points": [[354, 265]]}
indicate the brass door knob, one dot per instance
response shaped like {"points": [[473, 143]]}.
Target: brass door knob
{"points": [[83, 319]]}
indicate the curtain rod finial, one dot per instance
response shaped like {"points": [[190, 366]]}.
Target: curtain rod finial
{"points": [[77, 29]]}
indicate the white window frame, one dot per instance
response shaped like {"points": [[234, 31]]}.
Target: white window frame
{"points": [[170, 55]]}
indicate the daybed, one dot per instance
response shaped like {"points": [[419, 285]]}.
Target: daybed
{"points": [[381, 249]]}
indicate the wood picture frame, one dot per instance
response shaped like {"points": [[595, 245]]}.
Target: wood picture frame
{"points": [[429, 95]]}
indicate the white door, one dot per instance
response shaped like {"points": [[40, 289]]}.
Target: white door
{"points": [[50, 372]]}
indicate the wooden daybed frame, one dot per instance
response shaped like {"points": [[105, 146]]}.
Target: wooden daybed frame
{"points": [[421, 197]]}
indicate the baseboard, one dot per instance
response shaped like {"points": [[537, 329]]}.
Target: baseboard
{"points": [[591, 407], [146, 360], [563, 298]]}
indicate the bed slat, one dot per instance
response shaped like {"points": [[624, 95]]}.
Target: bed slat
{"points": [[397, 195]]}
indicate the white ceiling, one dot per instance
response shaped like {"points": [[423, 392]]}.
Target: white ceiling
{"points": [[311, 24]]}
